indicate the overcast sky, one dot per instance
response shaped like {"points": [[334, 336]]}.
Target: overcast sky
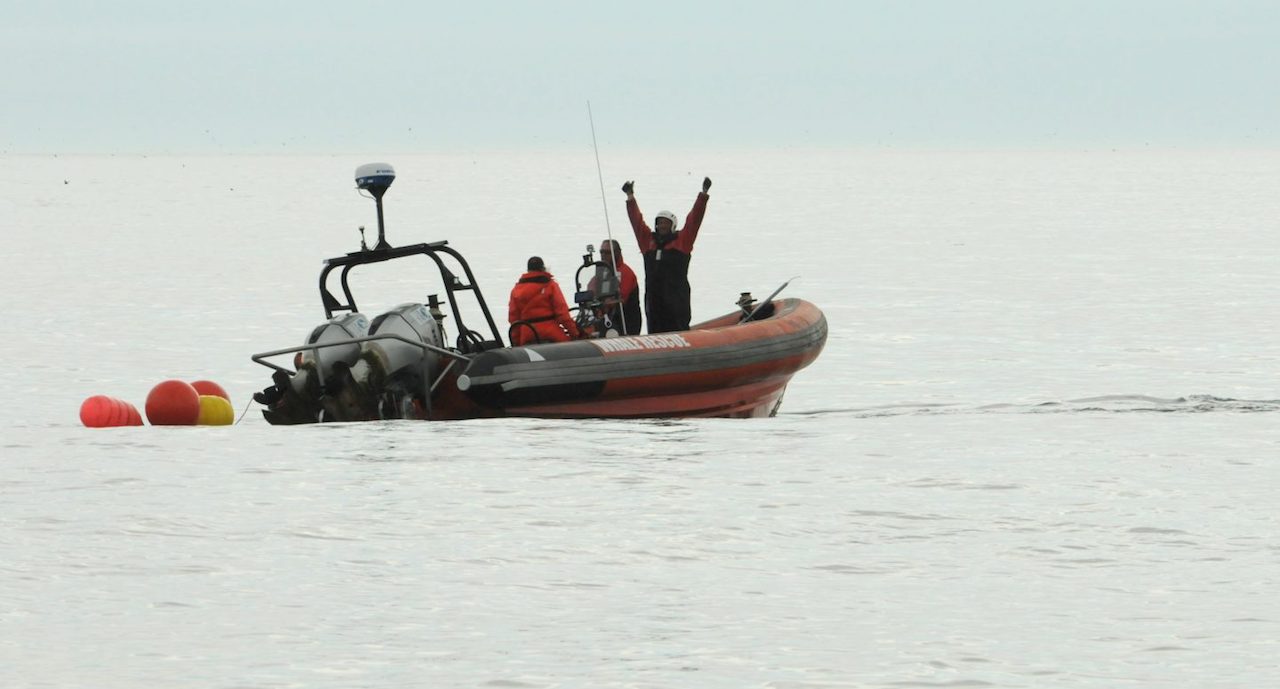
{"points": [[322, 76]]}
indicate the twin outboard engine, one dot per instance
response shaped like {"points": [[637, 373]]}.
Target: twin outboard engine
{"points": [[340, 380], [393, 376], [297, 398]]}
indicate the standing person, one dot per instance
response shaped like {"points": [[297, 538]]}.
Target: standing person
{"points": [[539, 307], [666, 260], [625, 309]]}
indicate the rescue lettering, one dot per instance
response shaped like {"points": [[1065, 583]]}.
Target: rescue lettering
{"points": [[641, 342]]}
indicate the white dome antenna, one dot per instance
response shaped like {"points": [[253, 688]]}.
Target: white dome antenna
{"points": [[376, 178]]}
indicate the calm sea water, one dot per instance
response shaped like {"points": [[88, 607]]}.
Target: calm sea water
{"points": [[1038, 450]]}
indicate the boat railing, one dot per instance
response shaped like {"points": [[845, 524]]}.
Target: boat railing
{"points": [[314, 348]]}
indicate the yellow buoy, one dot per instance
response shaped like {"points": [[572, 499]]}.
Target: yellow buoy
{"points": [[215, 411]]}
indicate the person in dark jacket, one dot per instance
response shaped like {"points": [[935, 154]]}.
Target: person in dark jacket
{"points": [[667, 252], [538, 305], [624, 310]]}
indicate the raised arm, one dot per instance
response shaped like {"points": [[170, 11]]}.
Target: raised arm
{"points": [[644, 235], [692, 222]]}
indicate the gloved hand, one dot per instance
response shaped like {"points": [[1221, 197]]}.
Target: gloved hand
{"points": [[628, 187], [706, 184]]}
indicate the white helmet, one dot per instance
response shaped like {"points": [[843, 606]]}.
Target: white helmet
{"points": [[669, 216]]}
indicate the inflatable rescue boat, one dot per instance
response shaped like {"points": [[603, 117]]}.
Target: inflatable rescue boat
{"points": [[402, 365]]}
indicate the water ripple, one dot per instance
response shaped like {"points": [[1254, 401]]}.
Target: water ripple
{"points": [[1104, 404]]}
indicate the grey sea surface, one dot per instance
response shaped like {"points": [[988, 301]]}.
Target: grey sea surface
{"points": [[1038, 449]]}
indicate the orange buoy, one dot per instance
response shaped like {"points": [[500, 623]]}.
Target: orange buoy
{"points": [[215, 411], [173, 403], [101, 411], [208, 387]]}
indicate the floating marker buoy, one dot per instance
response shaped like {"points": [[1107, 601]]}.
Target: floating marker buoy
{"points": [[97, 412], [173, 403], [101, 411], [208, 387], [215, 411]]}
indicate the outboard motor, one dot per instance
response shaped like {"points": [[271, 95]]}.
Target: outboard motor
{"points": [[391, 379], [348, 327], [299, 398]]}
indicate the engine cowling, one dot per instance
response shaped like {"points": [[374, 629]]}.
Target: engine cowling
{"points": [[299, 398]]}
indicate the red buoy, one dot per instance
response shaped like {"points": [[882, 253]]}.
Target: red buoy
{"points": [[135, 419], [173, 403], [208, 387], [119, 415], [101, 411]]}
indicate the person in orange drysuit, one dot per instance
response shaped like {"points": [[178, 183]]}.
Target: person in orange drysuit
{"points": [[538, 306]]}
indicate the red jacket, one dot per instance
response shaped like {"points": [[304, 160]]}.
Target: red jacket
{"points": [[683, 240], [625, 310], [537, 299]]}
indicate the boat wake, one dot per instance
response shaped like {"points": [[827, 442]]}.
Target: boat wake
{"points": [[1105, 404]]}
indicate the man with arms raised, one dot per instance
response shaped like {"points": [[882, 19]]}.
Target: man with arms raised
{"points": [[667, 252]]}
